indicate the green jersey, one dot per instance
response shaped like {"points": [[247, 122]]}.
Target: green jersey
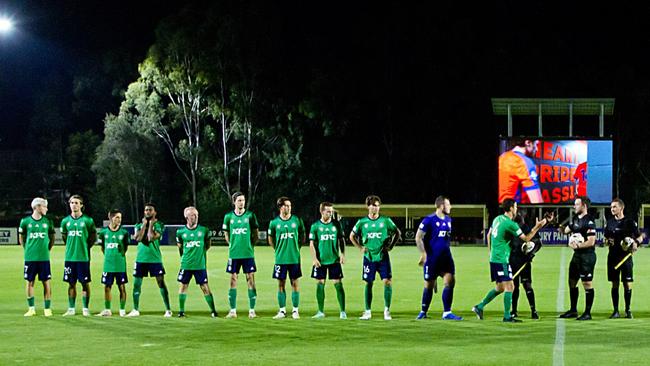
{"points": [[240, 228], [373, 233], [115, 244], [194, 247], [149, 251], [37, 238], [503, 231], [287, 235], [78, 231], [326, 238]]}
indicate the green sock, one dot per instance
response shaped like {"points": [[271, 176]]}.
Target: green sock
{"points": [[507, 302], [71, 301], [30, 301], [388, 295], [210, 300], [48, 303], [295, 299], [340, 295], [252, 297], [137, 287], [282, 299], [320, 296], [85, 300], [165, 295], [367, 291], [122, 304], [181, 302], [232, 298], [107, 304], [489, 297]]}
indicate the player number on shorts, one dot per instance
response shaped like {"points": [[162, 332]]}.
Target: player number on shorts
{"points": [[277, 270]]}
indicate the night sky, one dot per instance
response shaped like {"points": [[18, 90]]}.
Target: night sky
{"points": [[427, 72]]}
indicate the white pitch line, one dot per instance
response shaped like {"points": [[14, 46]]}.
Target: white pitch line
{"points": [[558, 349]]}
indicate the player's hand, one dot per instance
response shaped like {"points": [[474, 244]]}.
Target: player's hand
{"points": [[364, 250], [145, 220], [609, 242], [540, 223], [342, 258], [423, 258], [549, 217], [153, 221], [316, 263], [573, 246]]}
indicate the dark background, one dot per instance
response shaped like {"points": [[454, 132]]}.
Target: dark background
{"points": [[412, 83]]}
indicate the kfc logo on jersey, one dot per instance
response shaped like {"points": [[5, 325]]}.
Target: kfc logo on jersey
{"points": [[37, 235], [286, 236], [240, 231], [374, 235]]}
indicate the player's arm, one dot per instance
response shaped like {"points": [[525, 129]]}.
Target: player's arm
{"points": [[179, 244], [101, 243], [255, 234], [207, 240], [64, 233], [312, 250], [419, 243], [152, 233], [125, 243], [301, 233], [354, 238], [270, 237], [50, 235], [489, 239], [139, 234], [590, 242], [538, 225], [226, 235], [22, 239], [92, 235]]}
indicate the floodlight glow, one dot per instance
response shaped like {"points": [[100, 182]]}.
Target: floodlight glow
{"points": [[6, 25]]}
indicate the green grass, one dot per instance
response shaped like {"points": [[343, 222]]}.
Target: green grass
{"points": [[153, 340]]}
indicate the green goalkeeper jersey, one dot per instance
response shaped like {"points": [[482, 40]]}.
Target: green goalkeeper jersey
{"points": [[78, 231], [287, 235], [326, 241], [194, 246], [115, 244], [503, 231], [37, 238], [240, 228], [373, 234], [149, 251]]}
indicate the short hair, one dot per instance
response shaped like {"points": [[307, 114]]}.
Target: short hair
{"points": [[440, 200], [76, 196], [237, 195], [322, 205], [619, 201], [151, 204], [370, 200], [507, 204], [113, 212], [188, 209], [280, 202], [585, 200], [38, 201]]}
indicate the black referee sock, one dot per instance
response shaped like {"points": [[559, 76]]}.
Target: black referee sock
{"points": [[573, 294], [530, 294], [589, 300], [615, 298], [515, 299], [628, 298]]}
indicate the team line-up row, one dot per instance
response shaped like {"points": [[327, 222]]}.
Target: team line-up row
{"points": [[374, 235]]}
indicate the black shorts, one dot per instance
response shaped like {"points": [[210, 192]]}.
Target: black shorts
{"points": [[246, 264], [582, 266], [371, 268], [42, 268], [200, 276], [526, 274], [76, 271], [500, 272], [280, 271], [335, 270], [438, 263], [624, 272], [118, 277], [142, 269]]}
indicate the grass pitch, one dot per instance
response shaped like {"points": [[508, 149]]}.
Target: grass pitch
{"points": [[154, 340]]}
